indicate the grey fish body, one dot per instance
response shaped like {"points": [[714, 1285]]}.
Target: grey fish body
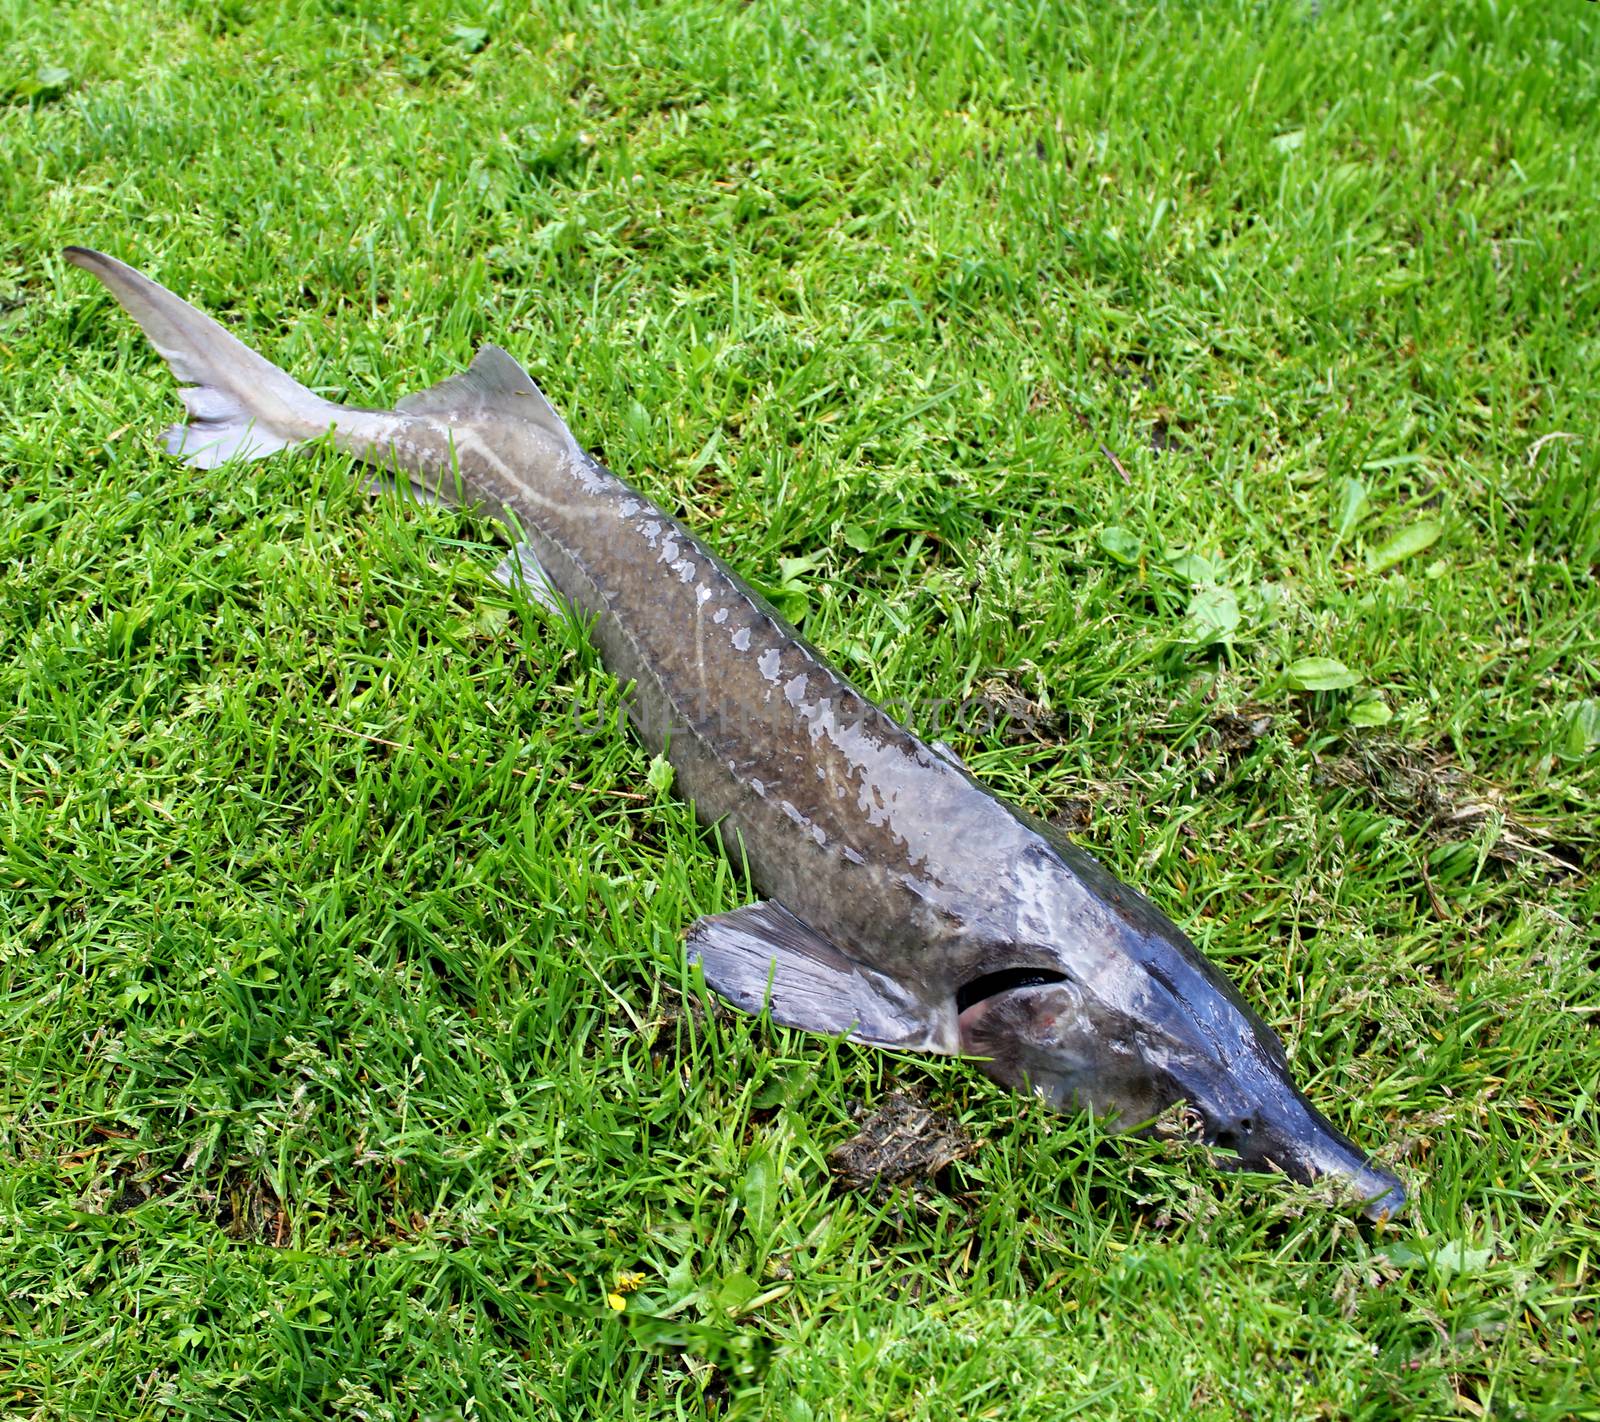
{"points": [[840, 812], [905, 902]]}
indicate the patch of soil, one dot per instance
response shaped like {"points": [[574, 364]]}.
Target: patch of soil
{"points": [[1073, 815], [249, 1210], [682, 1011], [903, 1139], [123, 1184], [998, 704], [1166, 434], [1237, 731], [1430, 792]]}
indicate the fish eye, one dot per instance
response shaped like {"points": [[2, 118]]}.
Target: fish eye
{"points": [[980, 989]]}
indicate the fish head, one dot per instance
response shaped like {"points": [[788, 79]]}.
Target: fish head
{"points": [[1110, 1008]]}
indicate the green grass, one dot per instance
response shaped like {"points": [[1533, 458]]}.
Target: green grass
{"points": [[345, 1053]]}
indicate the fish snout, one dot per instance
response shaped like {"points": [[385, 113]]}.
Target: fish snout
{"points": [[1037, 1031], [1303, 1143]]}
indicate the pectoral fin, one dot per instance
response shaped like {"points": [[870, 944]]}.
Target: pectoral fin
{"points": [[522, 566], [764, 956]]}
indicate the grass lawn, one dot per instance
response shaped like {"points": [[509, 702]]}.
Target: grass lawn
{"points": [[1214, 387]]}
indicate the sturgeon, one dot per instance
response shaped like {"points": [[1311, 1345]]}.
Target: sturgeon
{"points": [[906, 905]]}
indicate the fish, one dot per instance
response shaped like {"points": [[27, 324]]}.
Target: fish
{"points": [[905, 905]]}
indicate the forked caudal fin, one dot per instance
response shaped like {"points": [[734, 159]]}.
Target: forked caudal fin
{"points": [[240, 405]]}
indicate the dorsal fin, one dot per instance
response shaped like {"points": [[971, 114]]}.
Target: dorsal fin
{"points": [[494, 382]]}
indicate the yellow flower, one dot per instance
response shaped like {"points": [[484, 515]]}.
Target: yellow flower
{"points": [[617, 1302], [628, 1281]]}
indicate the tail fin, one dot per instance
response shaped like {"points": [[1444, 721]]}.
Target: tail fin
{"points": [[240, 405]]}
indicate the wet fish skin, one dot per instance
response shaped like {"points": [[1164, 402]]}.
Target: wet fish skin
{"points": [[906, 903]]}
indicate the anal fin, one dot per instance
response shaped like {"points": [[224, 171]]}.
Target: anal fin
{"points": [[764, 956]]}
